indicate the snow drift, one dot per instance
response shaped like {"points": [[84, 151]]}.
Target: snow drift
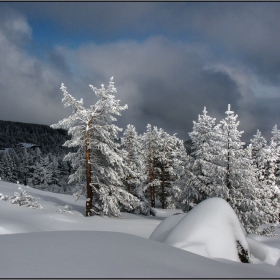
{"points": [[211, 229], [265, 248], [99, 254]]}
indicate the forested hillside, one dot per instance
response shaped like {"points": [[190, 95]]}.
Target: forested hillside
{"points": [[50, 140], [41, 167]]}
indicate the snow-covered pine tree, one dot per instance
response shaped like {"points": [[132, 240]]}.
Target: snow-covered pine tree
{"points": [[174, 157], [149, 143], [162, 154], [240, 175], [206, 172], [8, 167], [35, 157], [132, 149], [264, 159], [22, 165], [42, 173], [168, 156], [15, 159], [275, 146], [1, 167], [189, 195], [135, 173], [54, 171], [98, 161]]}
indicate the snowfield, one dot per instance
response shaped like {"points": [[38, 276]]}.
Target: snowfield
{"points": [[59, 241]]}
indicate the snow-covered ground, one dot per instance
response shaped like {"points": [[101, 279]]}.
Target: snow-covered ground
{"points": [[59, 241]]}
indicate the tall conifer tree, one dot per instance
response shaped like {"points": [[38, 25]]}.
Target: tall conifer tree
{"points": [[98, 163]]}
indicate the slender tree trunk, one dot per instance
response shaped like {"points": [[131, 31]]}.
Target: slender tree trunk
{"points": [[25, 180], [128, 186], [153, 204], [88, 177], [228, 169], [163, 187], [128, 164], [151, 177]]}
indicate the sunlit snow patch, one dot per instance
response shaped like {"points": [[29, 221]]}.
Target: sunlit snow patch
{"points": [[211, 229]]}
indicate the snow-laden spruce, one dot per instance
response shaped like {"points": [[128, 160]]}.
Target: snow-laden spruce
{"points": [[207, 173], [265, 159], [163, 154], [240, 174], [135, 173], [98, 163], [169, 160], [275, 147]]}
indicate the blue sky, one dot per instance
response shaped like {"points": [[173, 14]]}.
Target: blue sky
{"points": [[169, 60]]}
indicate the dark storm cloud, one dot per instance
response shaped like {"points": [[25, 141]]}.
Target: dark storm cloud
{"points": [[101, 19], [28, 86], [250, 31], [207, 54], [174, 103], [164, 83]]}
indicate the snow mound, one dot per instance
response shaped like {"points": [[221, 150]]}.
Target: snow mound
{"points": [[165, 227], [211, 229]]}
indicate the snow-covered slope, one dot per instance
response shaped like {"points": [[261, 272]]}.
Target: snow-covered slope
{"points": [[17, 219], [211, 229], [48, 243]]}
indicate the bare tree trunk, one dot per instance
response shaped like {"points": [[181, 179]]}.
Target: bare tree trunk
{"points": [[128, 164], [128, 186], [228, 170], [163, 187], [88, 177], [25, 178], [153, 201], [151, 176], [227, 178]]}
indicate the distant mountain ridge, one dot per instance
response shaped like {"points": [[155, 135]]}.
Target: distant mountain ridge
{"points": [[50, 140]]}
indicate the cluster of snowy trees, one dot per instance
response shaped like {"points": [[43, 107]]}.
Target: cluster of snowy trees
{"points": [[112, 176], [31, 167], [135, 172], [247, 177]]}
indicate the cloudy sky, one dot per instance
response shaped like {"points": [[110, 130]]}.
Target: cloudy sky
{"points": [[169, 60]]}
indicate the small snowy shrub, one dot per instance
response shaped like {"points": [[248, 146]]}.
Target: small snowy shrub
{"points": [[22, 198], [63, 210], [3, 197]]}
